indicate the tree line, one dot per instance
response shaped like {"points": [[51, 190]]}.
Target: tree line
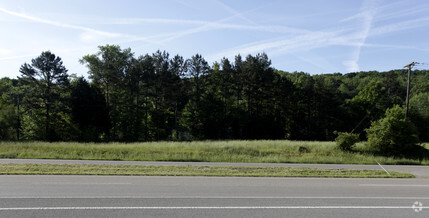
{"points": [[162, 97]]}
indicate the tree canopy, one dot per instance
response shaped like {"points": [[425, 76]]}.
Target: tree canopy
{"points": [[163, 97]]}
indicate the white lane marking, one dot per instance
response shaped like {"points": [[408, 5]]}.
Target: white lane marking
{"points": [[382, 167], [82, 183], [208, 208], [202, 197], [394, 185]]}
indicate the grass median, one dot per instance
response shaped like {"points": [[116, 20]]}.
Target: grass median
{"points": [[141, 170], [258, 151]]}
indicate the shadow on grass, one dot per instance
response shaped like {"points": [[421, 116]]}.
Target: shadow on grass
{"points": [[417, 153]]}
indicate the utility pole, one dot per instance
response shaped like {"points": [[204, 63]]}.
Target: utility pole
{"points": [[409, 66], [19, 121]]}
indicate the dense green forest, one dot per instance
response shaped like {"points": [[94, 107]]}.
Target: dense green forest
{"points": [[161, 97]]}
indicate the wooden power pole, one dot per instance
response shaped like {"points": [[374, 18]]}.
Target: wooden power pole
{"points": [[409, 66], [19, 121]]}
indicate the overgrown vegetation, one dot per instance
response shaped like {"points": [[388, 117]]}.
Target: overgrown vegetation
{"points": [[393, 134], [259, 151], [157, 97], [139, 170], [345, 140]]}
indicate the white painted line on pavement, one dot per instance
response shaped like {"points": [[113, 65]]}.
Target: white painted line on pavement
{"points": [[382, 167], [81, 183], [394, 185], [208, 208], [209, 197]]}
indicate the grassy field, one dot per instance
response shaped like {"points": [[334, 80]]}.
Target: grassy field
{"points": [[93, 169], [260, 151]]}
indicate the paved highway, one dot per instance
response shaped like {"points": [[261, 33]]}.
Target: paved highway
{"points": [[134, 196]]}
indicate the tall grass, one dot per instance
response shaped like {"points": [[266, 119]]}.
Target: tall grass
{"points": [[258, 151], [97, 169]]}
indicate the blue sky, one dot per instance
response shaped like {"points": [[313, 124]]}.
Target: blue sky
{"points": [[313, 36]]}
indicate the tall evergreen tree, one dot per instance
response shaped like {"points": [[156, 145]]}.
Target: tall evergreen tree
{"points": [[257, 87], [197, 71], [46, 87], [159, 97]]}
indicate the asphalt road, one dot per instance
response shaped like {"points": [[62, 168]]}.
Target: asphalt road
{"points": [[134, 196]]}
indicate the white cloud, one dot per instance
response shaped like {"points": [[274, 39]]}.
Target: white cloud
{"points": [[317, 61], [89, 37], [365, 18], [351, 65], [4, 51], [401, 26], [129, 21], [18, 57], [234, 12], [63, 25], [299, 43], [212, 24], [208, 26]]}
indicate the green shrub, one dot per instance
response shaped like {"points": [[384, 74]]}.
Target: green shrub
{"points": [[393, 134], [345, 141], [419, 114], [303, 149]]}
